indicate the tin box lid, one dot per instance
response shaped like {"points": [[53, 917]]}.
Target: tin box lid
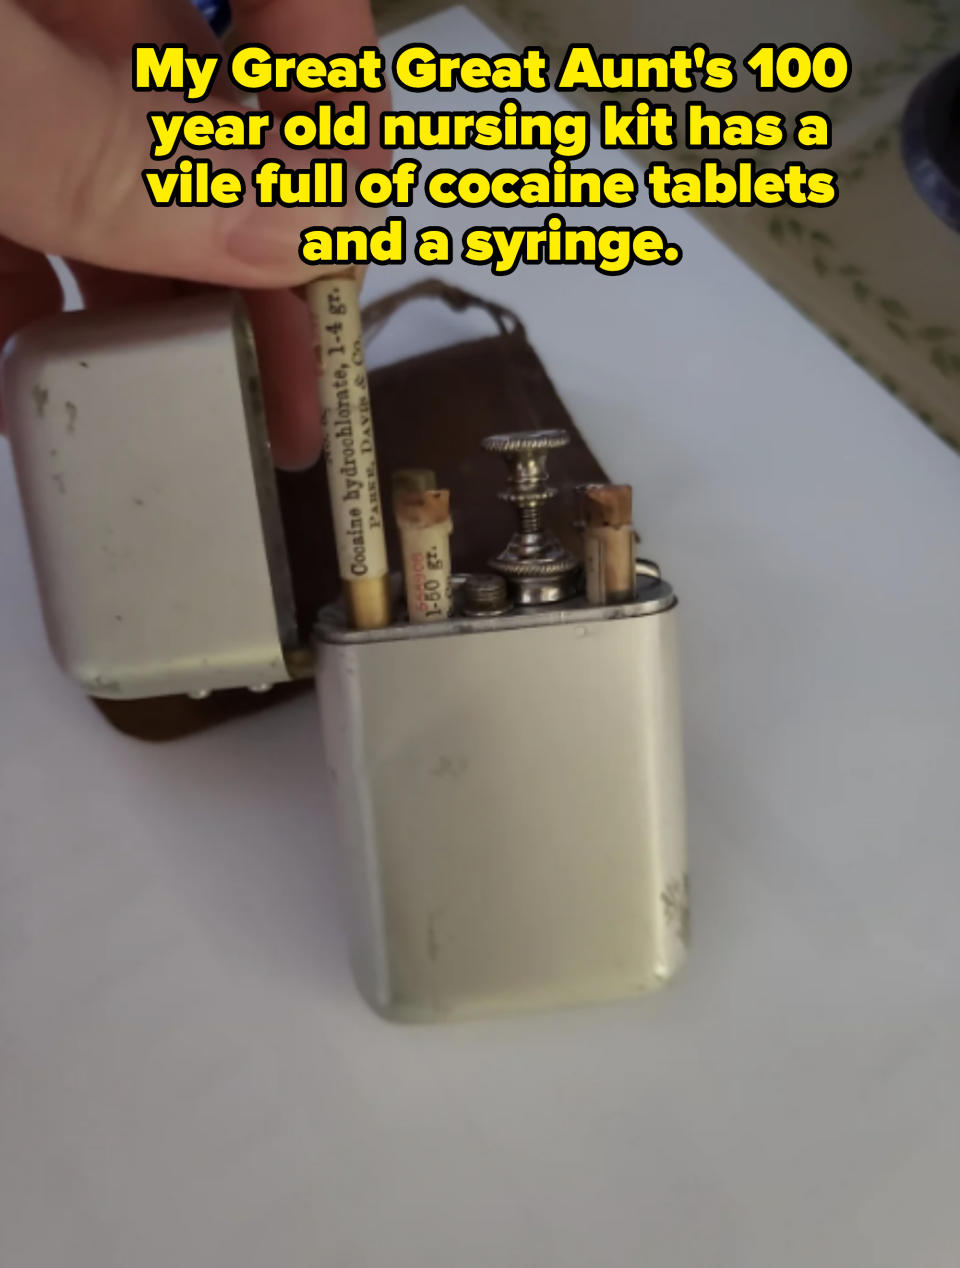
{"points": [[150, 498]]}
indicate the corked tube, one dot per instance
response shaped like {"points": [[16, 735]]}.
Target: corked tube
{"points": [[413, 480], [609, 543], [423, 518], [350, 453]]}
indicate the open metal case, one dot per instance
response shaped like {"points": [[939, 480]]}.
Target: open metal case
{"points": [[508, 787]]}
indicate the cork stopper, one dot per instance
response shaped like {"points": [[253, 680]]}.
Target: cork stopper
{"points": [[608, 505], [413, 480], [428, 508]]}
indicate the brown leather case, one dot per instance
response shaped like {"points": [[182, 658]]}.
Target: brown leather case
{"points": [[429, 411]]}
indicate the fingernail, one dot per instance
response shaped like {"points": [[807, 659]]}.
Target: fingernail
{"points": [[269, 238]]}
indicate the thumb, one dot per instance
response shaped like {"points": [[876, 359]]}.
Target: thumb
{"points": [[75, 140]]}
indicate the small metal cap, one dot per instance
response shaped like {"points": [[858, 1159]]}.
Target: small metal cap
{"points": [[520, 441], [485, 594]]}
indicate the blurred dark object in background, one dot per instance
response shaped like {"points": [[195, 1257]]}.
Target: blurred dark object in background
{"points": [[930, 140], [216, 12]]}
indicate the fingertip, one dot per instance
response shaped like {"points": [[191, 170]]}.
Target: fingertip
{"points": [[296, 442], [265, 241], [281, 329], [296, 457]]}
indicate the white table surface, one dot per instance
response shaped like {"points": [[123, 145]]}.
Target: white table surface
{"points": [[187, 1075]]}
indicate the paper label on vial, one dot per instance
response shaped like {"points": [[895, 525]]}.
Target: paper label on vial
{"points": [[348, 429], [594, 565], [426, 570], [608, 564]]}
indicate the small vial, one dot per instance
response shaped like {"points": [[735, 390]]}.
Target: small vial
{"points": [[423, 518], [351, 459], [609, 543]]}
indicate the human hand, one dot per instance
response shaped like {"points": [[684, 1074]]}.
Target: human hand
{"points": [[74, 141]]}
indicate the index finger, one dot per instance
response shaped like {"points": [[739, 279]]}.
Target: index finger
{"points": [[306, 26]]}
